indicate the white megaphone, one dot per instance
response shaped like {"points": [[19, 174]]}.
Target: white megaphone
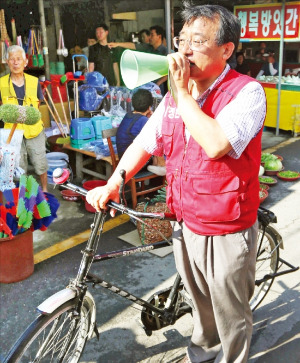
{"points": [[138, 68]]}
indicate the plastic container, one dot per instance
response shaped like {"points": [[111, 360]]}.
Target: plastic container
{"points": [[16, 257], [101, 123], [60, 68], [89, 185], [53, 146], [55, 80], [70, 195], [55, 160], [82, 129], [79, 144], [52, 67]]}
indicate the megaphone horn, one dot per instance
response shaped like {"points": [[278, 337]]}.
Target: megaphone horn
{"points": [[138, 68]]}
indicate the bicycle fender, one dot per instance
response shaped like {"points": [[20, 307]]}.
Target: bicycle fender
{"points": [[93, 328], [278, 236], [56, 300]]}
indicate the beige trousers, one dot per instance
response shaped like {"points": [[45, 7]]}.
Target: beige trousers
{"points": [[219, 273], [35, 149]]}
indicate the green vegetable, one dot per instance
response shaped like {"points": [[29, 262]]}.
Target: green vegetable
{"points": [[263, 186], [289, 174], [266, 180], [267, 157], [273, 164]]}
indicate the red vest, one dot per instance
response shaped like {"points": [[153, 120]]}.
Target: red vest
{"points": [[212, 196]]}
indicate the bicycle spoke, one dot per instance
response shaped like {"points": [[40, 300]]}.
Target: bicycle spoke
{"points": [[48, 340], [266, 258], [266, 265], [62, 340]]}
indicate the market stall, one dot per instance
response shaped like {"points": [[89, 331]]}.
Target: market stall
{"points": [[101, 107], [289, 117], [276, 22]]}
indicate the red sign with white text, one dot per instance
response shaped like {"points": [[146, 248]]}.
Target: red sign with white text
{"points": [[263, 22]]}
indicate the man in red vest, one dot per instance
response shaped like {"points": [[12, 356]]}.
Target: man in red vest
{"points": [[209, 128]]}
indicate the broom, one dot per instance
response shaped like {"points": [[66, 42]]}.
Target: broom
{"points": [[15, 114], [31, 202], [64, 139], [40, 222]]}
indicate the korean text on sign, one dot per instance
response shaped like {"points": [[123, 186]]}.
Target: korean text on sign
{"points": [[264, 21]]}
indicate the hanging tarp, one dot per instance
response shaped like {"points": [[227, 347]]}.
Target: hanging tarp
{"points": [[263, 22]]}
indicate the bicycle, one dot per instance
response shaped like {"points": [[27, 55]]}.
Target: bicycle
{"points": [[67, 319]]}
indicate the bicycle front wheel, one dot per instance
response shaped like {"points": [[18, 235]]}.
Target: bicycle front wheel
{"points": [[266, 264], [58, 337]]}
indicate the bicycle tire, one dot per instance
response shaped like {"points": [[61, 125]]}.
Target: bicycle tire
{"points": [[267, 260], [63, 329]]}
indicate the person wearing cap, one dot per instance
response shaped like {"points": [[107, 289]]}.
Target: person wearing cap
{"points": [[271, 67]]}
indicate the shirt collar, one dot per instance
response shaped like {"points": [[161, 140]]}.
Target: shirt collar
{"points": [[205, 94]]}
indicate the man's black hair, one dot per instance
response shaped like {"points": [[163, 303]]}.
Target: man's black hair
{"points": [[229, 28], [141, 100], [104, 26], [159, 30]]}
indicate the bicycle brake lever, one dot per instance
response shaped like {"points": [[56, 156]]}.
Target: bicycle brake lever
{"points": [[122, 188]]}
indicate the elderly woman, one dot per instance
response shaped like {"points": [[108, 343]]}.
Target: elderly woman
{"points": [[20, 88]]}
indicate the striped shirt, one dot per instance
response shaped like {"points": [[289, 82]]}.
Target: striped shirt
{"points": [[241, 119]]}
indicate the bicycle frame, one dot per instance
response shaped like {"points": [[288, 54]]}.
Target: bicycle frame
{"points": [[90, 257], [265, 218], [77, 287]]}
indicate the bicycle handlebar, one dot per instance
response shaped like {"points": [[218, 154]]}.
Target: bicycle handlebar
{"points": [[61, 176]]}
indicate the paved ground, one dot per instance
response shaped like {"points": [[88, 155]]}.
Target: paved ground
{"points": [[276, 335]]}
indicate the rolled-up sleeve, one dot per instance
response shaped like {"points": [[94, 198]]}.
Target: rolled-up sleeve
{"points": [[243, 117]]}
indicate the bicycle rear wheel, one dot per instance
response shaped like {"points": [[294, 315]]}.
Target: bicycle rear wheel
{"points": [[266, 263], [58, 337]]}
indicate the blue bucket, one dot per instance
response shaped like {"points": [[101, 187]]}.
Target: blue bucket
{"points": [[56, 160]]}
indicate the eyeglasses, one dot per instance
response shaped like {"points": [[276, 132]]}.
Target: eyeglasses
{"points": [[194, 44]]}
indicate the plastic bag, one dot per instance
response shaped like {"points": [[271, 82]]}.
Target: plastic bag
{"points": [[97, 80], [89, 100], [152, 87], [116, 102], [101, 148], [10, 158]]}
